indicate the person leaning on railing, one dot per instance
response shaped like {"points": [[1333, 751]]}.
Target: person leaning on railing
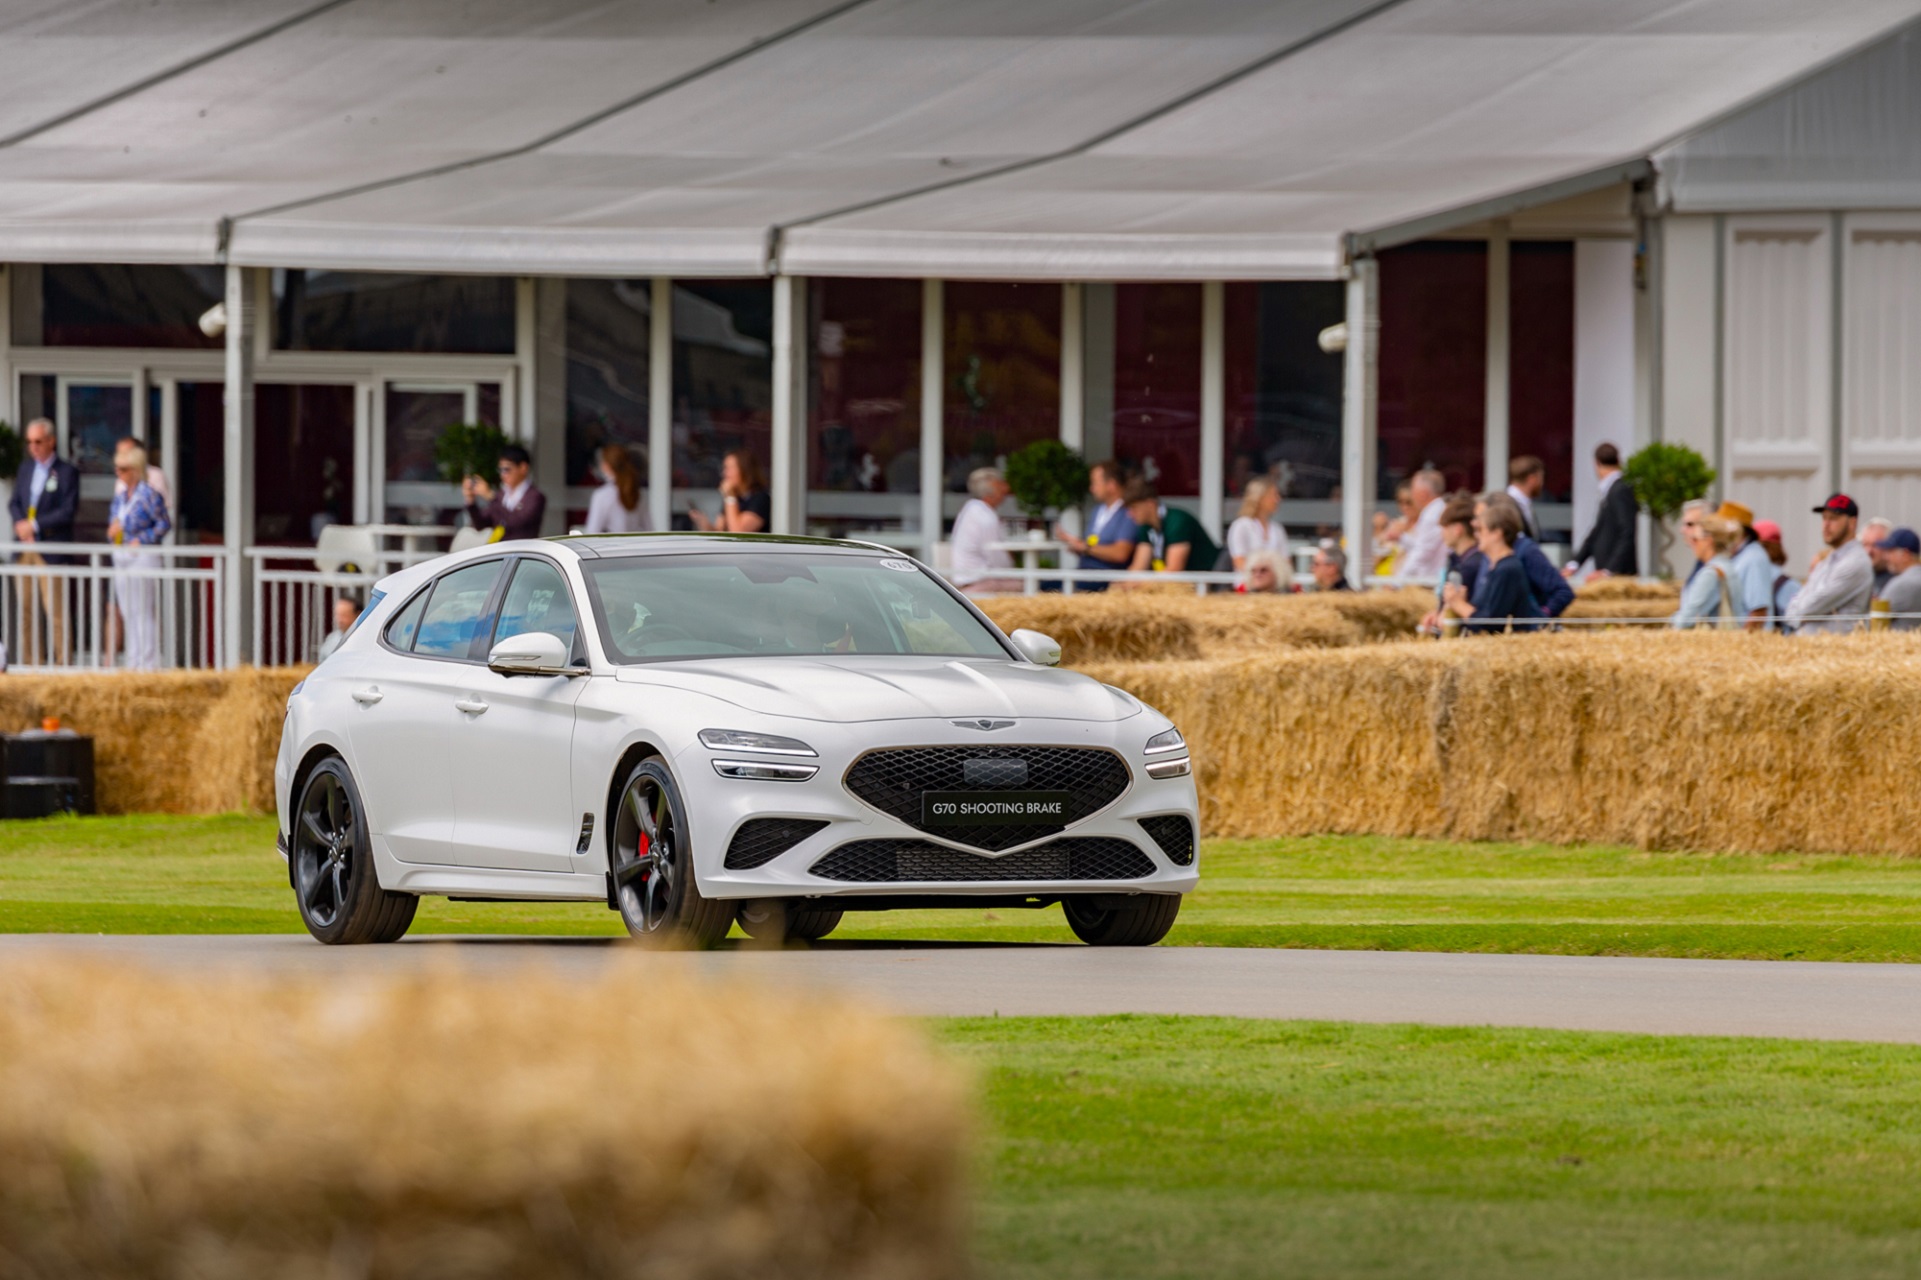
{"points": [[138, 518], [1172, 540], [1840, 586], [1716, 594], [46, 498], [1502, 597], [1902, 547]]}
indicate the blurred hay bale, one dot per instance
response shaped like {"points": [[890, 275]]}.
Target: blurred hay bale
{"points": [[533, 1125], [1717, 741], [1624, 598], [1128, 626], [165, 741]]}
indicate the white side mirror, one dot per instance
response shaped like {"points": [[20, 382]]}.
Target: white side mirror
{"points": [[1037, 648], [535, 653]]}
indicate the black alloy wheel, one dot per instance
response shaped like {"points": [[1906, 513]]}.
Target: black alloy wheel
{"points": [[331, 865], [652, 863], [1143, 922]]}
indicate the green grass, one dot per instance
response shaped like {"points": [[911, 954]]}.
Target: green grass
{"points": [[1218, 1148], [200, 875]]}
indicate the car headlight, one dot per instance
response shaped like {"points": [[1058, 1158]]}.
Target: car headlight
{"points": [[764, 771], [1161, 744], [741, 740]]}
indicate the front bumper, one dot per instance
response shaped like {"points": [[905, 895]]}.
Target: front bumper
{"points": [[718, 807]]}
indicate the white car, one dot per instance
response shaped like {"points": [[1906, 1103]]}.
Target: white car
{"points": [[696, 729]]}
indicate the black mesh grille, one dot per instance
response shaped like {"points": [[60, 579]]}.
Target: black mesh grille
{"points": [[1175, 835], [898, 861], [892, 781], [761, 840]]}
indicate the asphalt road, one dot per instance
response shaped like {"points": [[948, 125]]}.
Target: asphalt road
{"points": [[1879, 1002]]}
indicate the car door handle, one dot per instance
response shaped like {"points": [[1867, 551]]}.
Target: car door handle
{"points": [[368, 696], [472, 705]]}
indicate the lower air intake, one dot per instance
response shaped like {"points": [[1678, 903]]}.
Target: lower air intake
{"points": [[761, 840], [919, 861], [1174, 833]]}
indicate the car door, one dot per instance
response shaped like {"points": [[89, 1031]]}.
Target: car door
{"points": [[514, 805], [405, 716]]}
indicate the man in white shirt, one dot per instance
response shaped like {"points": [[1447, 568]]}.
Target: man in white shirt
{"points": [[976, 528], [1840, 584], [1526, 477], [1424, 553]]}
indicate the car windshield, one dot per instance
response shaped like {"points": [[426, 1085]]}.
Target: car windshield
{"points": [[781, 604]]}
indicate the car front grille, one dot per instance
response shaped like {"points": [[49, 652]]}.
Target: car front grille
{"points": [[902, 861], [1174, 834], [761, 840], [892, 780]]}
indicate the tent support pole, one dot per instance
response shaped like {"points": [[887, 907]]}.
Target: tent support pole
{"points": [[933, 433], [1359, 379], [238, 508], [660, 405], [790, 401], [1213, 404], [1496, 420]]}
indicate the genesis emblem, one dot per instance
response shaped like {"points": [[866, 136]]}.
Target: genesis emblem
{"points": [[985, 726]]}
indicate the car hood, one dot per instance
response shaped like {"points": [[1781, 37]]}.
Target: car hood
{"points": [[840, 690]]}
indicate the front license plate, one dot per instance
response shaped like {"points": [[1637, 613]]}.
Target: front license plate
{"points": [[994, 808]]}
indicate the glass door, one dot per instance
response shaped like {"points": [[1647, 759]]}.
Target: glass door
{"points": [[414, 414], [93, 416]]}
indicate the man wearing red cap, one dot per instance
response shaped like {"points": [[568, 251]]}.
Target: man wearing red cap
{"points": [[1840, 584]]}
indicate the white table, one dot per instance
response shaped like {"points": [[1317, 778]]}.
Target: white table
{"points": [[1030, 551]]}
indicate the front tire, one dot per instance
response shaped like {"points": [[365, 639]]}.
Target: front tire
{"points": [[652, 863], [332, 869], [1143, 922], [776, 920]]}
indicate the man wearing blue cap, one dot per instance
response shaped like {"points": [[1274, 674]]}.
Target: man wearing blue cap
{"points": [[1902, 547]]}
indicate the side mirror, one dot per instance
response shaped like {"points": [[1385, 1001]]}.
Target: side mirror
{"points": [[1037, 648], [535, 653]]}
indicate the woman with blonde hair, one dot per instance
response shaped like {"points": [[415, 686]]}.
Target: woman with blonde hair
{"points": [[1255, 529], [616, 506], [1713, 595], [137, 518]]}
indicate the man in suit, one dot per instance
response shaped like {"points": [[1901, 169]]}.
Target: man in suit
{"points": [[1612, 546], [516, 509], [46, 497], [1526, 478]]}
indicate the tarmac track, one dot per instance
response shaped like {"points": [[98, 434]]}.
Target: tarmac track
{"points": [[1874, 1002]]}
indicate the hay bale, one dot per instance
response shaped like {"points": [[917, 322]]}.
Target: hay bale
{"points": [[1102, 626], [1712, 741], [532, 1125], [166, 741], [1625, 598]]}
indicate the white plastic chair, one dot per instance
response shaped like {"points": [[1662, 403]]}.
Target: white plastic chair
{"points": [[469, 537], [342, 545]]}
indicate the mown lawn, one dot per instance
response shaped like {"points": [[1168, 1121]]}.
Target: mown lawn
{"points": [[1218, 1148], [219, 875]]}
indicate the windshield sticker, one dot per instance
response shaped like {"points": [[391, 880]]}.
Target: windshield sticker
{"points": [[899, 566]]}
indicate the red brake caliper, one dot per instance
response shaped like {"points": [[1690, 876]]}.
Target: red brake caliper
{"points": [[643, 845]]}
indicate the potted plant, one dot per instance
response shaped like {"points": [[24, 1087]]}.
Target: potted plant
{"points": [[1046, 478], [1665, 478], [469, 449]]}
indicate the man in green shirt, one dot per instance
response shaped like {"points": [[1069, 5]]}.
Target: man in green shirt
{"points": [[1172, 540]]}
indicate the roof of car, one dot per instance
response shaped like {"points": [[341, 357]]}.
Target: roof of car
{"points": [[597, 546]]}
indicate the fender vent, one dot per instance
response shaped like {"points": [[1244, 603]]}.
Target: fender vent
{"points": [[1175, 835], [586, 833], [760, 840]]}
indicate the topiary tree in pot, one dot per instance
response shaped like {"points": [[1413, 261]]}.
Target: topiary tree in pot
{"points": [[1665, 478], [469, 449], [1046, 477]]}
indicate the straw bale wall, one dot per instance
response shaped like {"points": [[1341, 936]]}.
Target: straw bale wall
{"points": [[1716, 741], [165, 741], [528, 1124]]}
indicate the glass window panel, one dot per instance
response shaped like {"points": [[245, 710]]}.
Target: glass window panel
{"points": [[457, 611], [723, 378], [303, 461], [537, 600], [110, 305], [865, 409], [1003, 373], [415, 417], [1283, 393], [609, 334], [402, 630], [1433, 370], [1157, 383], [1541, 360], [391, 311], [200, 489], [98, 418]]}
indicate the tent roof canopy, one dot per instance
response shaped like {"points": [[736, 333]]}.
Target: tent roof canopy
{"points": [[1023, 139]]}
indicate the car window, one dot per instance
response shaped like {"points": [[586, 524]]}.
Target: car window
{"points": [[652, 608], [402, 630], [537, 600], [456, 611]]}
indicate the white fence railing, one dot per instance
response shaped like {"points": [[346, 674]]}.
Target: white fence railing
{"points": [[293, 599], [93, 605]]}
